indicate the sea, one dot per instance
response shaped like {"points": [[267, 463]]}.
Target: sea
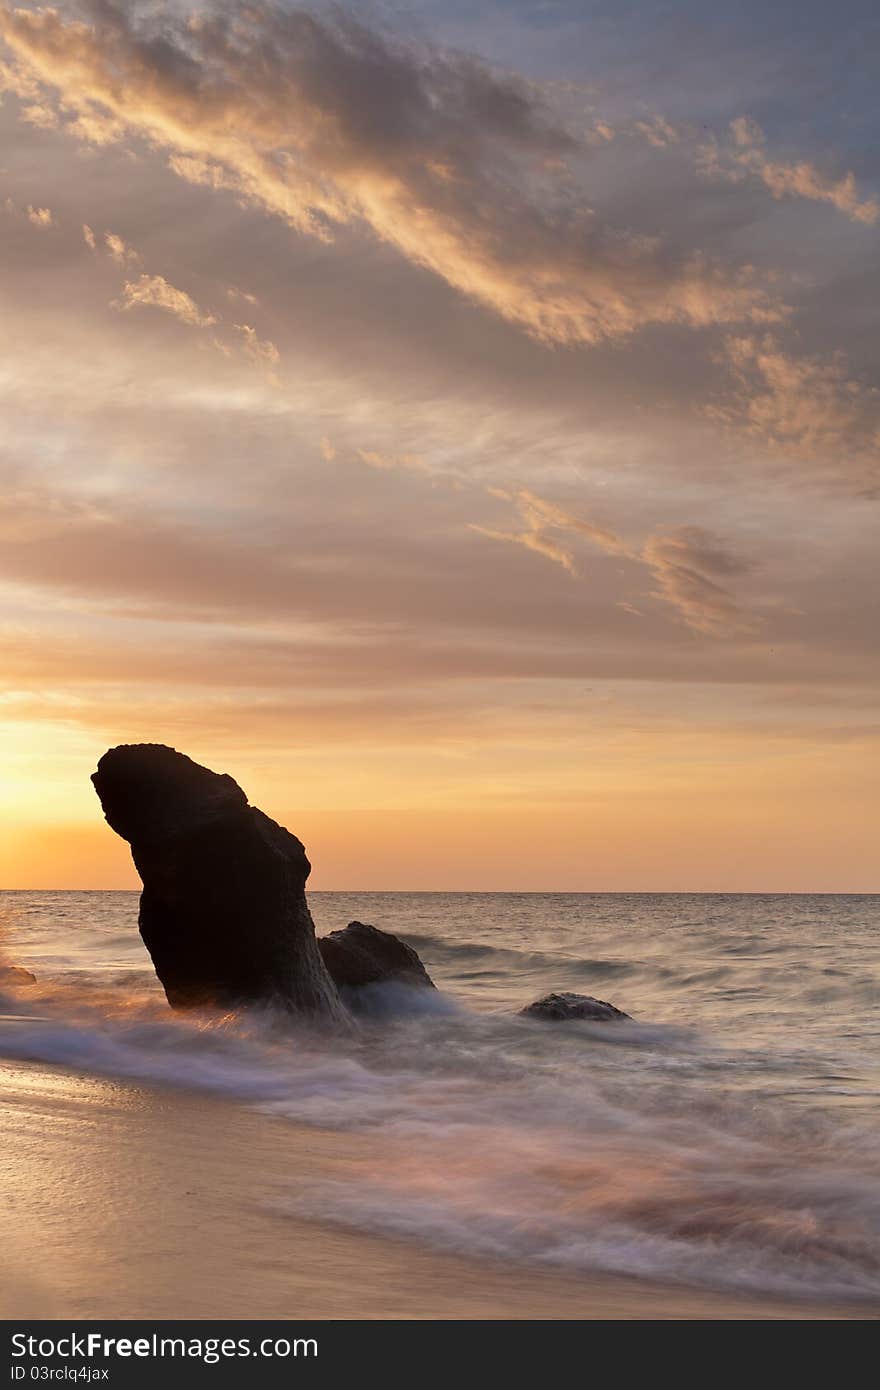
{"points": [[728, 1136]]}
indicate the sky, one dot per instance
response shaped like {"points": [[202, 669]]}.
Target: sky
{"points": [[458, 422]]}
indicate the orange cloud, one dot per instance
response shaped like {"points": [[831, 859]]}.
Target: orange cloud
{"points": [[690, 565], [745, 155], [42, 116], [803, 405], [323, 122], [119, 251], [688, 562], [40, 217], [154, 291], [542, 517], [261, 351], [658, 132]]}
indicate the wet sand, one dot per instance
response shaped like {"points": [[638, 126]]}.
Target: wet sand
{"points": [[127, 1201]]}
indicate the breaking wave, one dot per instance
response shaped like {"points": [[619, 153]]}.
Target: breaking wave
{"points": [[673, 1148]]}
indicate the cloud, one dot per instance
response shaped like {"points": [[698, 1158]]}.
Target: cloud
{"points": [[192, 562], [40, 217], [119, 251], [233, 292], [391, 596], [692, 567], [744, 156], [691, 564], [542, 518], [658, 132], [154, 291], [537, 540], [43, 117], [802, 405], [385, 462], [92, 126], [325, 123], [261, 351], [538, 511], [18, 81]]}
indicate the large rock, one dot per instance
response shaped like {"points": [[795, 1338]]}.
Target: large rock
{"points": [[223, 911], [558, 1008], [363, 955]]}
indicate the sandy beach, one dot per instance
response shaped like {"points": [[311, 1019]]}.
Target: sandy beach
{"points": [[128, 1201]]}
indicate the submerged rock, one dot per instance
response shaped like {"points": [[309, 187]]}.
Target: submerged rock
{"points": [[16, 975], [557, 1008], [223, 911], [363, 955]]}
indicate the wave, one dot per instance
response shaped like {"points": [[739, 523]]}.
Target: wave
{"points": [[768, 1229], [457, 954], [591, 1148]]}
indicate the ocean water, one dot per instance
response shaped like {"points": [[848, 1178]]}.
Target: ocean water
{"points": [[729, 1136]]}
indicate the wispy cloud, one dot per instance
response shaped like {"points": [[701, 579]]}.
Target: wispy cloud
{"points": [[744, 155], [658, 132], [692, 566], [802, 404], [323, 122], [261, 351], [233, 292], [292, 550], [543, 519], [154, 291], [385, 462], [693, 569], [119, 250]]}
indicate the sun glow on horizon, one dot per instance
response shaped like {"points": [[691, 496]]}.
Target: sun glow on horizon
{"points": [[444, 447]]}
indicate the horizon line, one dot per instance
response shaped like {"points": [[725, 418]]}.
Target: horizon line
{"points": [[548, 892]]}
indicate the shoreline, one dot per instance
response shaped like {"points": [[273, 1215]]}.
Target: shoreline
{"points": [[126, 1200]]}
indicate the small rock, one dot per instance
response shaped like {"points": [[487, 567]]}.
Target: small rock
{"points": [[363, 955], [558, 1008]]}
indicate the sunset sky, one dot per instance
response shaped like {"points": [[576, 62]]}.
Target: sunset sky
{"points": [[458, 421]]}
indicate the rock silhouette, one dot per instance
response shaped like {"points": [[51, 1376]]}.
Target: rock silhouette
{"points": [[558, 1008], [223, 911], [363, 955]]}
